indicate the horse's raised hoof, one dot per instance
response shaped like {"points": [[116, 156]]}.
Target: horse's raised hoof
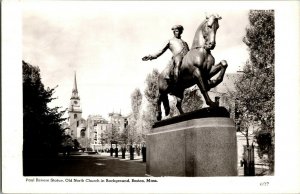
{"points": [[214, 104], [224, 63], [158, 116]]}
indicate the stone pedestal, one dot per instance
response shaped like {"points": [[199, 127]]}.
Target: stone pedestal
{"points": [[201, 143]]}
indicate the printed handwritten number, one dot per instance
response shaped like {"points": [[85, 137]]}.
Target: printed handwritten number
{"points": [[264, 184]]}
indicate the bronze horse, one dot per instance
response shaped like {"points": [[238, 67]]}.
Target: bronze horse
{"points": [[198, 67]]}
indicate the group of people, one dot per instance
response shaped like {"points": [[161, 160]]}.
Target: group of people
{"points": [[137, 148]]}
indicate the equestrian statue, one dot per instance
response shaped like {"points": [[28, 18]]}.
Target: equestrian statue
{"points": [[189, 67]]}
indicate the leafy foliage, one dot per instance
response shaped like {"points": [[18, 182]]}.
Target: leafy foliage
{"points": [[151, 90], [131, 128], [124, 135], [192, 100], [151, 94], [255, 88], [113, 134], [42, 132], [135, 126], [260, 38], [136, 102], [67, 141]]}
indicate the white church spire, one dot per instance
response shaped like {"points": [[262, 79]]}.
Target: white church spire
{"points": [[75, 90]]}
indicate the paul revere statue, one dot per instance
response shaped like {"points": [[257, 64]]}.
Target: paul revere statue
{"points": [[178, 47]]}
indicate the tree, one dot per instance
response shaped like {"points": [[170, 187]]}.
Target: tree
{"points": [[135, 123], [124, 135], [136, 102], [42, 132], [115, 133], [67, 144], [255, 88], [151, 90], [76, 144], [131, 131], [151, 94], [112, 134]]}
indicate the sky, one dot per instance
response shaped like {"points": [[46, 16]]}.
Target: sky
{"points": [[103, 42]]}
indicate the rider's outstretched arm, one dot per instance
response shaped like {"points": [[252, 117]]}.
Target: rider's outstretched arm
{"points": [[158, 54]]}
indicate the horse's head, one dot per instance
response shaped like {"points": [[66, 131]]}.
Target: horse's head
{"points": [[206, 33], [209, 31]]}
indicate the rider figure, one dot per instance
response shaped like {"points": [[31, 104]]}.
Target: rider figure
{"points": [[177, 46]]}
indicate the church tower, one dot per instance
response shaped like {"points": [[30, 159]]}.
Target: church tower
{"points": [[74, 111]]}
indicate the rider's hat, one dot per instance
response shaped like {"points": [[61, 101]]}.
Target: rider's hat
{"points": [[179, 27]]}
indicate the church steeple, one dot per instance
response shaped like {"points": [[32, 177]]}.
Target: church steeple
{"points": [[75, 90], [75, 100], [75, 111]]}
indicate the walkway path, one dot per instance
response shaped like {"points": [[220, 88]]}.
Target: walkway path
{"points": [[92, 165]]}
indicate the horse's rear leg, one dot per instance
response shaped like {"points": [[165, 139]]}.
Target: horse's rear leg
{"points": [[221, 67], [158, 108], [162, 98], [179, 104], [165, 101], [203, 88]]}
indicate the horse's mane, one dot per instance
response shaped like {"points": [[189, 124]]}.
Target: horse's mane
{"points": [[198, 36]]}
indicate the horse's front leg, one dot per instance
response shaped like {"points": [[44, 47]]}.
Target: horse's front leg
{"points": [[158, 108], [202, 86], [220, 67]]}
